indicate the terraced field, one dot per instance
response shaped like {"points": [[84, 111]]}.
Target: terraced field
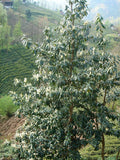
{"points": [[17, 62]]}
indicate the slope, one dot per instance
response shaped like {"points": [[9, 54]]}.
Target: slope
{"points": [[16, 62], [33, 19]]}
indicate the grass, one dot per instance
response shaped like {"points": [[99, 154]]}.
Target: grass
{"points": [[7, 107], [111, 149], [112, 145]]}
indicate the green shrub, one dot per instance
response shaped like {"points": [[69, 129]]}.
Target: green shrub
{"points": [[7, 107], [6, 150]]}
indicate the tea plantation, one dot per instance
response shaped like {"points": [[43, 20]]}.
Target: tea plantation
{"points": [[16, 62]]}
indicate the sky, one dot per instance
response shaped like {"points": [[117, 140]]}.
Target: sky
{"points": [[107, 8]]}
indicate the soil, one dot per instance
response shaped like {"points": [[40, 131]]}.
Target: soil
{"points": [[8, 127]]}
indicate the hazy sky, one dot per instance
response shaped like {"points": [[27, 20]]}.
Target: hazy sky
{"points": [[57, 3], [107, 8]]}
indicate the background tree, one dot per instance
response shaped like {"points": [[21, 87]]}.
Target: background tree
{"points": [[17, 32], [28, 14], [4, 36], [16, 4], [3, 15], [65, 108], [4, 28]]}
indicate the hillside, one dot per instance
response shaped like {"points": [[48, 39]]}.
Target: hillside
{"points": [[16, 62], [33, 19], [108, 8]]}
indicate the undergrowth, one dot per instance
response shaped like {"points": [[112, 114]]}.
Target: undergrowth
{"points": [[7, 107]]}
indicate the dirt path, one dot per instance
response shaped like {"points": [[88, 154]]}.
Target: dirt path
{"points": [[9, 126]]}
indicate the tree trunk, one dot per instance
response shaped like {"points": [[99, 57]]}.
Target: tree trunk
{"points": [[71, 68], [103, 147], [118, 155]]}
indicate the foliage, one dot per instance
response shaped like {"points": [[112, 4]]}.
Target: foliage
{"points": [[3, 15], [6, 150], [7, 107], [28, 14], [65, 106], [17, 32], [4, 36], [16, 4]]}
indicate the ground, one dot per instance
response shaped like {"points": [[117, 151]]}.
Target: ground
{"points": [[8, 127]]}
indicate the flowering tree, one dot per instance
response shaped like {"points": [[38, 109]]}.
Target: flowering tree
{"points": [[65, 107]]}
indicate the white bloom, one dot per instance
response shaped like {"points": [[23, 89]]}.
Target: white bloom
{"points": [[85, 23], [81, 53], [6, 142], [25, 80], [25, 146], [94, 50], [17, 112], [48, 89], [36, 76], [17, 134], [73, 27], [21, 95], [13, 145], [36, 110], [38, 91], [11, 92], [61, 30], [50, 72], [27, 97], [29, 150], [23, 142], [22, 134], [59, 43], [47, 37], [61, 56], [16, 81]]}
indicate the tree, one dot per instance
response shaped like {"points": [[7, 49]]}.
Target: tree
{"points": [[3, 15], [28, 14], [4, 28], [4, 36], [65, 107], [17, 32], [16, 4]]}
